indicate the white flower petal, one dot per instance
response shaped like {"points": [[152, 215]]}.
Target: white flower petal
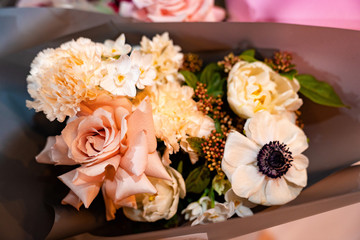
{"points": [[297, 177], [300, 162], [292, 136], [239, 150], [261, 128], [278, 192], [246, 180]]}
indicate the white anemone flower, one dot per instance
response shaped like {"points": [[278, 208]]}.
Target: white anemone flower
{"points": [[147, 71], [121, 77], [117, 47], [266, 166]]}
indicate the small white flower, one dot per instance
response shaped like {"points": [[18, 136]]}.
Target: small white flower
{"points": [[220, 213], [266, 166], [117, 47], [195, 209], [147, 71], [121, 77], [242, 206]]}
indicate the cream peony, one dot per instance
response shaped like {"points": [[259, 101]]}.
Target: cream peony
{"points": [[176, 116], [266, 167], [173, 10], [163, 204], [166, 57], [254, 87], [61, 78]]}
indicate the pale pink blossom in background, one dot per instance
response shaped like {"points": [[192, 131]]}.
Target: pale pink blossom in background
{"points": [[172, 10], [339, 14]]}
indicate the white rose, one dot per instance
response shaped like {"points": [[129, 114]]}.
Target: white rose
{"points": [[254, 87], [163, 204]]}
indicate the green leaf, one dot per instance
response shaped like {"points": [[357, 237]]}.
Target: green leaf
{"points": [[198, 180], [290, 75], [318, 91], [195, 144], [249, 52], [248, 55], [208, 72], [217, 126], [216, 86], [180, 167], [220, 184], [190, 78]]}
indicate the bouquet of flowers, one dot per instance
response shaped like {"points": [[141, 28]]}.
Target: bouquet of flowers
{"points": [[163, 137]]}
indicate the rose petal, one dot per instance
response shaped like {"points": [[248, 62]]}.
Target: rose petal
{"points": [[246, 181], [86, 192], [125, 185], [155, 168], [141, 119], [73, 200], [135, 159]]}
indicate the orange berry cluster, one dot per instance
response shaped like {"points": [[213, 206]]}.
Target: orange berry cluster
{"points": [[191, 62], [229, 61], [213, 149], [281, 62], [213, 146], [209, 105]]}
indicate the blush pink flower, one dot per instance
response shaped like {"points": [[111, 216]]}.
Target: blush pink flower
{"points": [[172, 10], [116, 150]]}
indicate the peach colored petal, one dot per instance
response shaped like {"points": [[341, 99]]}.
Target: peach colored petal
{"points": [[103, 101], [97, 169], [45, 155], [136, 157], [125, 185], [72, 200], [86, 192], [120, 120], [142, 119], [155, 168]]}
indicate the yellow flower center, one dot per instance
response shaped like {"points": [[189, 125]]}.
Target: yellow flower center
{"points": [[120, 79]]}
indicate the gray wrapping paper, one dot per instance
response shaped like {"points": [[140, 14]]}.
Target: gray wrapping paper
{"points": [[29, 209]]}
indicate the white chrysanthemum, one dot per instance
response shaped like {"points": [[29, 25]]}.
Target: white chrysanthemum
{"points": [[117, 47], [121, 77], [167, 58], [254, 87], [176, 116], [266, 166], [63, 77], [147, 71]]}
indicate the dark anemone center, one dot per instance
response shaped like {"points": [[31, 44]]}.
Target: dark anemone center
{"points": [[274, 159]]}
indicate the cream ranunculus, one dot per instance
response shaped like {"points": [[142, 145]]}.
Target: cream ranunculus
{"points": [[266, 166], [163, 204], [254, 87]]}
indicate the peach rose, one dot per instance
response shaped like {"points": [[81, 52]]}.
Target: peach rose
{"points": [[116, 149], [172, 10]]}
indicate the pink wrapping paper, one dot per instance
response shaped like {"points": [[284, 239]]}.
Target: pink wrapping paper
{"points": [[339, 14]]}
